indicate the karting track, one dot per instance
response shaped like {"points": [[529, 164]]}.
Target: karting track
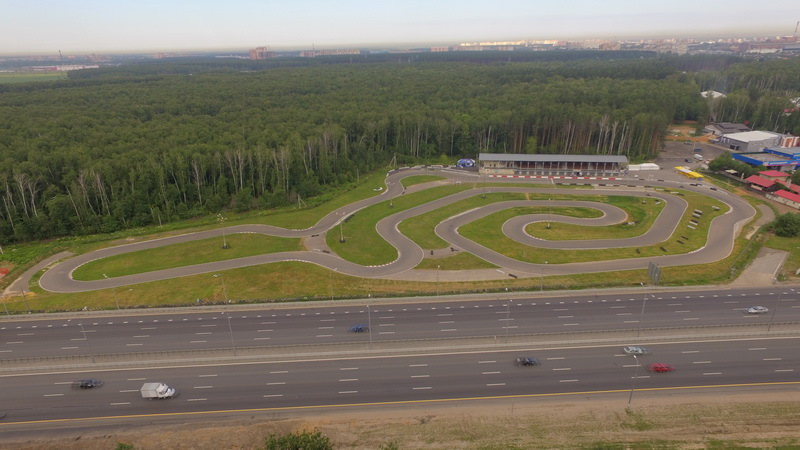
{"points": [[720, 241]]}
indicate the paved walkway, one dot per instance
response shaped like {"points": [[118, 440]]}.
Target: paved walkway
{"points": [[24, 280]]}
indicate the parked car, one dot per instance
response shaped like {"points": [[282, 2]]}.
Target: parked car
{"points": [[527, 361], [87, 384], [635, 350], [660, 368], [756, 310], [360, 328]]}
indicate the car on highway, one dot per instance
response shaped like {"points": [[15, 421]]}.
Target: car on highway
{"points": [[756, 310], [526, 361], [660, 368], [90, 383], [360, 328], [635, 350]]}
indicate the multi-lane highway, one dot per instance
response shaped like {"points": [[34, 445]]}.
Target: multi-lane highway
{"points": [[259, 326], [266, 386]]}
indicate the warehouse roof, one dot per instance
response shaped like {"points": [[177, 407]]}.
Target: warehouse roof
{"points": [[752, 136], [549, 158]]}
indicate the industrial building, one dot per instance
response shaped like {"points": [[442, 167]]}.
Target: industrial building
{"points": [[781, 159], [552, 166], [750, 141]]}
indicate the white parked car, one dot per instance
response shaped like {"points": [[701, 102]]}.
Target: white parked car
{"points": [[756, 310]]}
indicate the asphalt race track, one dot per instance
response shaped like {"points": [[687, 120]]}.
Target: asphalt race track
{"points": [[719, 245]]}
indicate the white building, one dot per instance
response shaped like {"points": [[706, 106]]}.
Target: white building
{"points": [[750, 141]]}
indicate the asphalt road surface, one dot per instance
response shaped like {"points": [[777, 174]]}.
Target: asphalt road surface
{"points": [[721, 235], [132, 332], [37, 401]]}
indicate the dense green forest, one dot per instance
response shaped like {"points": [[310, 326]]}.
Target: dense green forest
{"points": [[145, 143]]}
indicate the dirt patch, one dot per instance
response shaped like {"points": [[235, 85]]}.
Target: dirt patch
{"points": [[759, 417]]}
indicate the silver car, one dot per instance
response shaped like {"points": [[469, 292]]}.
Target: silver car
{"points": [[756, 310], [635, 350]]}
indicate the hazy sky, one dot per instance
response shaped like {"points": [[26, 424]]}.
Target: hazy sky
{"points": [[83, 26]]}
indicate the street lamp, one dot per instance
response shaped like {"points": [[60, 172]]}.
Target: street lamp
{"points": [[230, 330], [775, 308], [221, 219], [641, 316], [341, 232], [369, 326], [224, 291], [91, 355], [114, 288], [541, 284], [633, 386], [437, 279], [26, 300]]}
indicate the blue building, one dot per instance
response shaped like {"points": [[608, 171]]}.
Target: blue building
{"points": [[783, 159]]}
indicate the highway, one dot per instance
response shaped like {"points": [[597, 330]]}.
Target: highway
{"points": [[447, 318], [223, 389]]}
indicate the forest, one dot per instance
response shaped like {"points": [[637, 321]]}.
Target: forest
{"points": [[128, 146]]}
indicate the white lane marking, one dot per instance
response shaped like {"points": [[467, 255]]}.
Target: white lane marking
{"points": [[208, 325], [772, 359], [324, 335], [563, 368], [136, 379], [489, 373], [417, 365], [555, 358], [196, 399], [62, 348], [420, 376], [24, 334], [453, 321], [701, 362], [348, 368], [567, 381], [279, 371], [204, 332], [261, 339], [348, 379], [134, 345], [565, 317], [147, 328], [63, 382], [203, 387], [14, 342], [197, 342], [486, 362], [348, 392], [496, 384], [119, 403], [386, 332], [758, 348], [691, 351], [712, 373], [449, 329], [321, 320], [631, 365], [273, 395], [276, 383], [630, 321], [129, 390], [691, 318], [784, 370], [266, 331], [324, 328], [206, 376], [142, 336], [570, 324], [624, 314], [53, 395], [421, 388]]}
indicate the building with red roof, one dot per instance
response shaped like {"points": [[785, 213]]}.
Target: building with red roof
{"points": [[761, 184], [774, 175], [786, 197]]}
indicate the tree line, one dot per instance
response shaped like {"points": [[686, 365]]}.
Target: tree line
{"points": [[151, 143]]}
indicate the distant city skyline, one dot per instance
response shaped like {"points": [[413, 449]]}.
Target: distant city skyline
{"points": [[120, 26]]}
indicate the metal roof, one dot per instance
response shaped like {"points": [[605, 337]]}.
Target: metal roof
{"points": [[550, 158], [752, 136]]}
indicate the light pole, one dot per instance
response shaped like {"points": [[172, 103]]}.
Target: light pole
{"points": [[224, 291], [330, 276], [541, 278], [221, 219], [437, 279], [775, 309], [91, 355], [230, 330], [635, 377], [341, 232], [369, 326], [26, 300], [641, 316], [6, 308], [114, 288]]}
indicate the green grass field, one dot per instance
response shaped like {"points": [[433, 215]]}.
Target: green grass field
{"points": [[184, 254]]}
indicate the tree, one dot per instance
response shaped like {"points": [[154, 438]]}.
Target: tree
{"points": [[303, 440], [788, 225]]}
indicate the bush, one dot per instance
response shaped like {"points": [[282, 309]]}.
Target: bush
{"points": [[788, 225], [304, 440]]}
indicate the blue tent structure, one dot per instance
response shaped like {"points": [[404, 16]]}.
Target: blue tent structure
{"points": [[465, 162]]}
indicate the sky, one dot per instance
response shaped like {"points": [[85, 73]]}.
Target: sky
{"points": [[107, 26]]}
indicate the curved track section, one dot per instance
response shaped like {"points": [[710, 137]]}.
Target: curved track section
{"points": [[719, 244]]}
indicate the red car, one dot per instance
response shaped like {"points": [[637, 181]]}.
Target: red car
{"points": [[660, 367]]}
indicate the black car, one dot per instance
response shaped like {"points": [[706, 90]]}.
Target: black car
{"points": [[526, 361], [87, 384], [358, 328]]}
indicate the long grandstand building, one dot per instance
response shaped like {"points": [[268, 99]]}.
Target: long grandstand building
{"points": [[552, 166]]}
